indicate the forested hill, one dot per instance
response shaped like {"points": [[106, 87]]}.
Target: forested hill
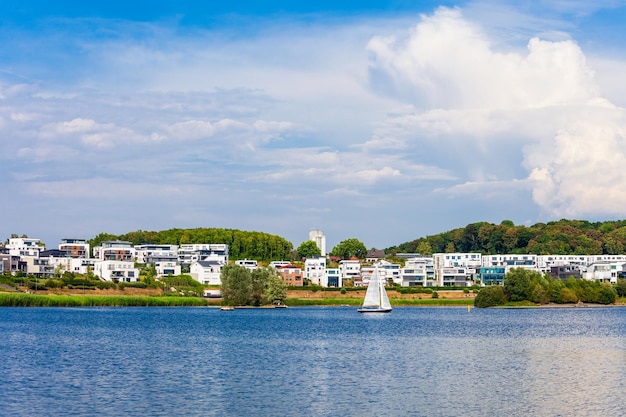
{"points": [[241, 244], [564, 237]]}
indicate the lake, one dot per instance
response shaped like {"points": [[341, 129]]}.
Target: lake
{"points": [[313, 361]]}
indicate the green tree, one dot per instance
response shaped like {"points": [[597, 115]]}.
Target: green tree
{"points": [[424, 248], [517, 284], [236, 286], [308, 249], [275, 291], [620, 287], [349, 248], [490, 297], [607, 294]]}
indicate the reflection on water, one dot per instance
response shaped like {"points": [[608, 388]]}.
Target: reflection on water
{"points": [[312, 361]]}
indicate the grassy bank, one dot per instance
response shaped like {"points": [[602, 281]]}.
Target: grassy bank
{"points": [[80, 300], [33, 300]]}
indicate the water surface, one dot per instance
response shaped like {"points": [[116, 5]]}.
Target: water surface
{"points": [[318, 361]]}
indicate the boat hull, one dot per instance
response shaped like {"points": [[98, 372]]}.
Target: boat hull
{"points": [[374, 310]]}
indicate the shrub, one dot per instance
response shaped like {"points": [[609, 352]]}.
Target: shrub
{"points": [[567, 295], [343, 291], [435, 294], [607, 295], [620, 287], [490, 297]]}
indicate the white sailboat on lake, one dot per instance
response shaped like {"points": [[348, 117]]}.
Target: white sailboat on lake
{"points": [[376, 300]]}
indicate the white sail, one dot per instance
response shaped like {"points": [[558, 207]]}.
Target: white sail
{"points": [[376, 299], [384, 300], [372, 295]]}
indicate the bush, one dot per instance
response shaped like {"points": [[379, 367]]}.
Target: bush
{"points": [[343, 291], [435, 294], [620, 287], [490, 297], [567, 295], [607, 295]]}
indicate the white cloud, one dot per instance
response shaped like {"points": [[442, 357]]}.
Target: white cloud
{"points": [[481, 107], [449, 63]]}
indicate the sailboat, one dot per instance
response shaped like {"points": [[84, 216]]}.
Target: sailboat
{"points": [[376, 300]]}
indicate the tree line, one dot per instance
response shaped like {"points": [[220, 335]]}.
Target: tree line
{"points": [[563, 237], [524, 285], [241, 244]]}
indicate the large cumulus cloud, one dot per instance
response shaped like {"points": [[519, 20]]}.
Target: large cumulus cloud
{"points": [[480, 110]]}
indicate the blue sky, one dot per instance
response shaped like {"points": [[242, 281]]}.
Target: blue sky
{"points": [[384, 121]]}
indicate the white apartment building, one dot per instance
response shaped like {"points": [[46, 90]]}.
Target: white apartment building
{"points": [[188, 254], [75, 248], [449, 267], [149, 253], [349, 270], [315, 271], [509, 261], [418, 271], [25, 246], [116, 270], [332, 277], [318, 237], [279, 264], [115, 250], [165, 268], [249, 264], [605, 271]]}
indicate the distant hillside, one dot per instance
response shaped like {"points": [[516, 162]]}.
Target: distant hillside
{"points": [[564, 237], [241, 244]]}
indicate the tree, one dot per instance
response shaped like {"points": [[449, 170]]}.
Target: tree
{"points": [[349, 248], [517, 284], [308, 249], [275, 291], [490, 297], [424, 248], [236, 286], [242, 287]]}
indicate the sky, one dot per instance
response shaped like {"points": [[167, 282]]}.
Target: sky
{"points": [[384, 121]]}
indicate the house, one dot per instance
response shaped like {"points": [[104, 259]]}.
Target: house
{"points": [[249, 264], [315, 271], [349, 270], [291, 275], [116, 270], [207, 272], [374, 255]]}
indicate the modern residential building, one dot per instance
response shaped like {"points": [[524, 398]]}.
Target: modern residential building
{"points": [[350, 269], [150, 253], [75, 248], [418, 271], [278, 264], [249, 264], [116, 270], [314, 271], [332, 277], [291, 275], [25, 246], [456, 269], [208, 272], [188, 254], [165, 268], [115, 250]]}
